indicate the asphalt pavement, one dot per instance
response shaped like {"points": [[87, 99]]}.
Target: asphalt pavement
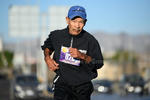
{"points": [[118, 97], [5, 87]]}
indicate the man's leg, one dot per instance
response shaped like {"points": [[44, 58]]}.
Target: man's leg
{"points": [[60, 93], [84, 91]]}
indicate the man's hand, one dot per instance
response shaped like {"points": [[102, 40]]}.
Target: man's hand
{"points": [[75, 53], [52, 65]]}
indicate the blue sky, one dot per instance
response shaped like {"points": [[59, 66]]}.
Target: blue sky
{"points": [[114, 16]]}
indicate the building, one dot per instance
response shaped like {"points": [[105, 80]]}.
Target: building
{"points": [[57, 17], [24, 21]]}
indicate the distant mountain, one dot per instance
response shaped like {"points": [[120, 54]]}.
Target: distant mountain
{"points": [[112, 42]]}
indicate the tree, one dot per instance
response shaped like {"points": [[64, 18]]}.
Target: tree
{"points": [[6, 59], [1, 60]]}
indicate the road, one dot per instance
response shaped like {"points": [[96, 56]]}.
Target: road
{"points": [[118, 97], [4, 89], [5, 86]]}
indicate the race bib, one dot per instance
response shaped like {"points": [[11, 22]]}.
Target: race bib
{"points": [[67, 58]]}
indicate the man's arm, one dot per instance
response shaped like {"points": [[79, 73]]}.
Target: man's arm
{"points": [[52, 65], [86, 58], [47, 53]]}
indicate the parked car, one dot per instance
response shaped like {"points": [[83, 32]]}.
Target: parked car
{"points": [[26, 87], [102, 86], [132, 84]]}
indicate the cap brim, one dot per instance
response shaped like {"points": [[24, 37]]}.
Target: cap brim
{"points": [[76, 15]]}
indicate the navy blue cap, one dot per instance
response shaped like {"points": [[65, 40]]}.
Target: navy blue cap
{"points": [[75, 11]]}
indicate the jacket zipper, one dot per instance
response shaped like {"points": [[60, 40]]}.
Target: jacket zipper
{"points": [[71, 42]]}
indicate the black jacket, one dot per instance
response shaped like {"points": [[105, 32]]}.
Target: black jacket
{"points": [[75, 75]]}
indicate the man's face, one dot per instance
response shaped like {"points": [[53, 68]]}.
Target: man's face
{"points": [[75, 25]]}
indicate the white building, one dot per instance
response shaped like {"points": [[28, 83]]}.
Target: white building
{"points": [[56, 16], [24, 21]]}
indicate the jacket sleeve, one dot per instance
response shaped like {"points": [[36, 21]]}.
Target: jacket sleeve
{"points": [[48, 43], [95, 52]]}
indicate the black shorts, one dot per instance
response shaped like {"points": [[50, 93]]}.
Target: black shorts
{"points": [[67, 92]]}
